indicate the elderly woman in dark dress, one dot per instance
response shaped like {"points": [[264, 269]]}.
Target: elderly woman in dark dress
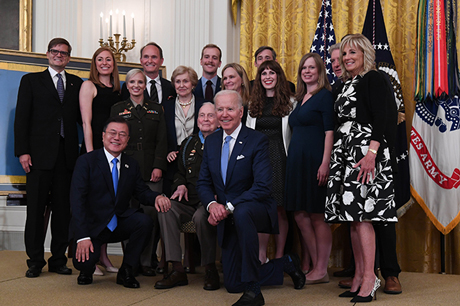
{"points": [[360, 185]]}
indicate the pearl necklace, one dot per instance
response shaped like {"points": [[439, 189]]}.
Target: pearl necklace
{"points": [[184, 105]]}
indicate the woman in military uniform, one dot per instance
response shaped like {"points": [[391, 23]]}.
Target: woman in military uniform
{"points": [[147, 144]]}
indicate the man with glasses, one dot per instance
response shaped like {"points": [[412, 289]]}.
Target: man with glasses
{"points": [[46, 142]]}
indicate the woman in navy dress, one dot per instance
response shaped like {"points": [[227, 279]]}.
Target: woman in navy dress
{"points": [[308, 165]]}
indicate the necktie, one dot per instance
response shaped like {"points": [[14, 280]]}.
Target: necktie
{"points": [[153, 92], [60, 90], [209, 94], [138, 108], [224, 157], [113, 222]]}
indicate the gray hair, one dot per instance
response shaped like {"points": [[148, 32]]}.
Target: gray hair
{"points": [[227, 92]]}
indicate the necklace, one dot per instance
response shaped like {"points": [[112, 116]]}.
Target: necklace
{"points": [[184, 105]]}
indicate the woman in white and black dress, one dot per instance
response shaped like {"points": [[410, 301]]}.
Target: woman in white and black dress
{"points": [[360, 185]]}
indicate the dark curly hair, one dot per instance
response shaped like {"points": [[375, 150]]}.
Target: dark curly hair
{"points": [[282, 100]]}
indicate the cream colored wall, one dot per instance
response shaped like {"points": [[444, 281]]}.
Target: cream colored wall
{"points": [[180, 27]]}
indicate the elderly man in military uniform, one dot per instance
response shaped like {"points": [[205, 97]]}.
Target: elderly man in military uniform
{"points": [[186, 206], [148, 146]]}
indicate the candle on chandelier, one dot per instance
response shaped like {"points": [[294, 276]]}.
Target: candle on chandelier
{"points": [[110, 26], [124, 25]]}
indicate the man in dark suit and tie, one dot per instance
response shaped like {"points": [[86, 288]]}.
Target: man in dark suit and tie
{"points": [[234, 186], [158, 89], [46, 142], [210, 83], [103, 183]]}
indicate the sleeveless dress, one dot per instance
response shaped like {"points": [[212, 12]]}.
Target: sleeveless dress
{"points": [[347, 198], [271, 126], [102, 103], [305, 154]]}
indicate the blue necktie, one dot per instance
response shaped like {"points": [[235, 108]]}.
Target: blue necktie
{"points": [[60, 90], [224, 157], [113, 223]]}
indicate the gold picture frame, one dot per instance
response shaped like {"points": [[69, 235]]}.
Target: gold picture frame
{"points": [[25, 25]]}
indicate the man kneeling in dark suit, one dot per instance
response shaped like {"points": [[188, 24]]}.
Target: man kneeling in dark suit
{"points": [[234, 186], [103, 183]]}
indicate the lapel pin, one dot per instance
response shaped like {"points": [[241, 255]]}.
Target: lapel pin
{"points": [[240, 142], [126, 166]]}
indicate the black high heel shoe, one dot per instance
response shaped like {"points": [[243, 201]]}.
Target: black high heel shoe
{"points": [[349, 293], [370, 297]]}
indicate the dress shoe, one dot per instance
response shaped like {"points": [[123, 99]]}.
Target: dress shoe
{"points": [[347, 272], [324, 279], [173, 279], [147, 271], [84, 278], [346, 283], [211, 280], [160, 270], [371, 296], [126, 278], [98, 271], [110, 269], [33, 271], [292, 268], [60, 270], [249, 298], [392, 285], [349, 293]]}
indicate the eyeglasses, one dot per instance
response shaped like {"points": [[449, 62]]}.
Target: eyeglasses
{"points": [[56, 52], [120, 134]]}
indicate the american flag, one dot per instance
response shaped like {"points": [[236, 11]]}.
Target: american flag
{"points": [[325, 38]]}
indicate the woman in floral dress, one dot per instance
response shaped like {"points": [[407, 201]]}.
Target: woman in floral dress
{"points": [[360, 185]]}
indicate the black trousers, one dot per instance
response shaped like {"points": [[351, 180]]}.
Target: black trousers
{"points": [[137, 228], [48, 187], [385, 237]]}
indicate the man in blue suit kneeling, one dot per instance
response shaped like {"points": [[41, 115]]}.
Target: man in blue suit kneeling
{"points": [[103, 183], [234, 186]]}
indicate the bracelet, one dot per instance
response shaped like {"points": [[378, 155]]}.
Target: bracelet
{"points": [[373, 151]]}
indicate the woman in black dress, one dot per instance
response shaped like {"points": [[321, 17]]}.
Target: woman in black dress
{"points": [[360, 185], [268, 113], [308, 165], [97, 95]]}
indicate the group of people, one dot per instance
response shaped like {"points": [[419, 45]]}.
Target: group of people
{"points": [[233, 156]]}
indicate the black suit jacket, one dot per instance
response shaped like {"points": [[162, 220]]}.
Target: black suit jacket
{"points": [[38, 116], [198, 91], [167, 89], [92, 197], [170, 117]]}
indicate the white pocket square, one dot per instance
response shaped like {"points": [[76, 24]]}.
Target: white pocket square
{"points": [[239, 157]]}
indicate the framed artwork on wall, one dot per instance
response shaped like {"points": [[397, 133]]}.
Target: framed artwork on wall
{"points": [[16, 31]]}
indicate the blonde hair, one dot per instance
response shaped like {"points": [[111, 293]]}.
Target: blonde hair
{"points": [[183, 69], [361, 42]]}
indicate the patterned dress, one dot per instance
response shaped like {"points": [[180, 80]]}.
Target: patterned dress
{"points": [[271, 126], [347, 198]]}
